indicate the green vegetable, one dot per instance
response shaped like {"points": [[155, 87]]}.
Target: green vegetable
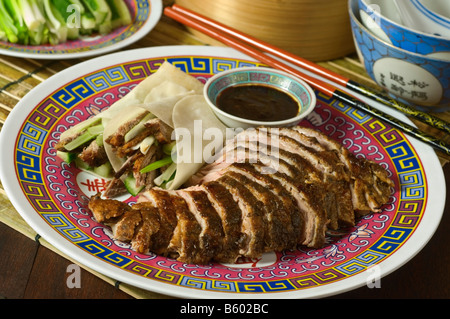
{"points": [[13, 9], [88, 24], [79, 141], [32, 13], [102, 14], [104, 170], [69, 15], [157, 164], [169, 147], [167, 175], [86, 124], [78, 5], [67, 157], [90, 133], [82, 164], [96, 129], [7, 24], [138, 128], [38, 22], [130, 185], [55, 23], [120, 15], [99, 139]]}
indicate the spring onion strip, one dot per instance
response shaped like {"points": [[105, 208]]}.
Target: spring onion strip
{"points": [[157, 164]]}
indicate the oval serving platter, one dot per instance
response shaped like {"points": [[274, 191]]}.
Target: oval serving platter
{"points": [[145, 13], [52, 196]]}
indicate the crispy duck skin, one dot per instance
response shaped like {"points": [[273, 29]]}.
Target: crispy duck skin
{"points": [[118, 138], [105, 210], [256, 202]]}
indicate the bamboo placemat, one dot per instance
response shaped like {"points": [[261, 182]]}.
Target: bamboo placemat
{"points": [[18, 76]]}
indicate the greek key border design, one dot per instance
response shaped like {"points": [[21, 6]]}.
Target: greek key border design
{"points": [[41, 121]]}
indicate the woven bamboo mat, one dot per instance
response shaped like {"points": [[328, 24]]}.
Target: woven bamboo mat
{"points": [[18, 76]]}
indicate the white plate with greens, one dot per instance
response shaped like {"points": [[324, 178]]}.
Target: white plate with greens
{"points": [[82, 25]]}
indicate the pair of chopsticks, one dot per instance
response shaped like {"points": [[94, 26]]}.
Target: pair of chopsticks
{"points": [[251, 46]]}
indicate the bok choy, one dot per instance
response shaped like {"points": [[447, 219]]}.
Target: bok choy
{"points": [[37, 22]]}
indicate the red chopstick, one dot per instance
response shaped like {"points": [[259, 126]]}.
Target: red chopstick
{"points": [[247, 49], [312, 67], [320, 85], [264, 46]]}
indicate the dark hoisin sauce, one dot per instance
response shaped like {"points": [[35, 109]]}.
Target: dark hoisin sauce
{"points": [[257, 102]]}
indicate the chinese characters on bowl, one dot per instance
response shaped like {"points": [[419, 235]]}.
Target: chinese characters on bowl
{"points": [[415, 79]]}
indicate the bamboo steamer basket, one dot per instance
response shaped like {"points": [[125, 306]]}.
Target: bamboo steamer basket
{"points": [[316, 30]]}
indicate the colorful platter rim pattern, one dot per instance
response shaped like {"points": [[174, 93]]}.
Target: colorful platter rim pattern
{"points": [[52, 196], [145, 13]]}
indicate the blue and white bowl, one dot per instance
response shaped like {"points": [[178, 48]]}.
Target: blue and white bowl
{"points": [[412, 78], [381, 18]]}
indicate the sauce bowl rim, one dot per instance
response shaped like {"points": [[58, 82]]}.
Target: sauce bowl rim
{"points": [[300, 115]]}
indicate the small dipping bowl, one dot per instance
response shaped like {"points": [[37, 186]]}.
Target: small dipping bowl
{"points": [[267, 97]]}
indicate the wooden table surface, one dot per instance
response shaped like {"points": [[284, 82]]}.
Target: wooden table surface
{"points": [[30, 268]]}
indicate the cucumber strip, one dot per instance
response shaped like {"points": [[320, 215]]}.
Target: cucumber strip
{"points": [[67, 157], [82, 126], [99, 139], [168, 148], [61, 6], [130, 185], [138, 127], [79, 141], [166, 175], [96, 130], [90, 133], [82, 165], [104, 170], [157, 164]]}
